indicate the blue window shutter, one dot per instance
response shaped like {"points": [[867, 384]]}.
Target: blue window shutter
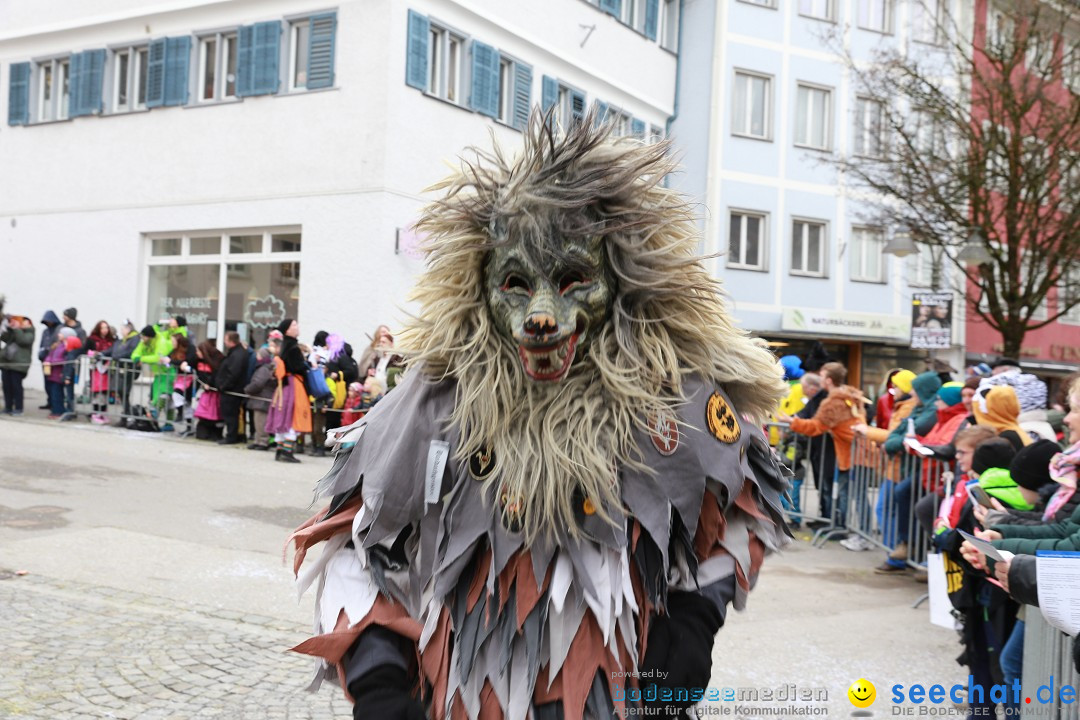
{"points": [[92, 76], [612, 6], [652, 16], [549, 93], [177, 75], [416, 55], [601, 112], [19, 93], [637, 128], [577, 106], [245, 49], [522, 95], [266, 58], [484, 97], [155, 74], [75, 87], [320, 60]]}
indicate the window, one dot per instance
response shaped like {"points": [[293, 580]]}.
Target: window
{"points": [[813, 117], [141, 65], [867, 255], [205, 245], [875, 15], [54, 89], [929, 135], [808, 248], [746, 241], [869, 122], [444, 64], [1068, 291], [285, 242], [752, 106], [761, 3], [928, 17], [245, 244], [669, 18], [300, 38], [515, 93], [122, 80], [506, 89], [920, 267], [656, 134], [1000, 31], [217, 67], [818, 9], [165, 246], [633, 14], [1037, 53]]}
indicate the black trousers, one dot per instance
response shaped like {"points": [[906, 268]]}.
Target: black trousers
{"points": [[230, 413], [13, 389]]}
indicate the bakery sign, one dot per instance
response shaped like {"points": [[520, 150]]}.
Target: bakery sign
{"points": [[839, 322]]}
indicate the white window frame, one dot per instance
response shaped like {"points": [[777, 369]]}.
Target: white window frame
{"points": [[1071, 317], [864, 127], [768, 4], [633, 14], [927, 30], [928, 136], [763, 240], [446, 69], [860, 234], [1000, 28], [830, 11], [137, 54], [125, 85], [748, 76], [506, 90], [827, 120], [221, 40], [804, 245], [887, 9], [920, 267], [667, 31], [296, 28], [57, 107]]}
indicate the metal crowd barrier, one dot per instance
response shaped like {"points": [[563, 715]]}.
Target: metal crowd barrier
{"points": [[133, 396], [1047, 654], [876, 500]]}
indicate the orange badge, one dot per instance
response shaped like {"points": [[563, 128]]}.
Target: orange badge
{"points": [[721, 420]]}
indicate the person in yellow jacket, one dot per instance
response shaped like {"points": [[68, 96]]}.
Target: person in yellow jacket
{"points": [[792, 403]]}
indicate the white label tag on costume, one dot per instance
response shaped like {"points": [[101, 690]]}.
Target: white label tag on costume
{"points": [[436, 465]]}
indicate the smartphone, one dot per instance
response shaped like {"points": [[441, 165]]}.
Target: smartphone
{"points": [[980, 496]]}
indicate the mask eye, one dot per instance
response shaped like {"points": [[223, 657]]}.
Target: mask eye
{"points": [[515, 282], [571, 280]]}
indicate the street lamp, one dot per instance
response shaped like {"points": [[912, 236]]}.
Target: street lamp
{"points": [[900, 245], [974, 251]]}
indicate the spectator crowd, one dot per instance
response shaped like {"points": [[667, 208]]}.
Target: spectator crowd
{"points": [[990, 455], [276, 395]]}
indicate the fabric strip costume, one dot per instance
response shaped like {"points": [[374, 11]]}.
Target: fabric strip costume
{"points": [[571, 484]]}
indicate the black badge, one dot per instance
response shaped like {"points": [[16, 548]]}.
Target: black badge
{"points": [[482, 462]]}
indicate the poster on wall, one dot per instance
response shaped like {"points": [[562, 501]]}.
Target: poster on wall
{"points": [[931, 320]]}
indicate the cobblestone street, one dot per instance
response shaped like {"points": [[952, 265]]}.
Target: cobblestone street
{"points": [[74, 650]]}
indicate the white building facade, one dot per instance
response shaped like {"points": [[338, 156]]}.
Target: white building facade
{"points": [[241, 161], [764, 102]]}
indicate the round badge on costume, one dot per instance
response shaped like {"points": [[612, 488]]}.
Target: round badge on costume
{"points": [[481, 463], [721, 420], [664, 433]]}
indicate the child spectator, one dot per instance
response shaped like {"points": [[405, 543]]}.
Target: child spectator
{"points": [[209, 408], [73, 346], [98, 344], [353, 403], [183, 385], [53, 367]]}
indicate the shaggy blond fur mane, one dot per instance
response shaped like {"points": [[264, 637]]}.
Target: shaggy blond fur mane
{"points": [[668, 320]]}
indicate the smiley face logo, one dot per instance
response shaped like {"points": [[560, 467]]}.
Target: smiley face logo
{"points": [[862, 693]]}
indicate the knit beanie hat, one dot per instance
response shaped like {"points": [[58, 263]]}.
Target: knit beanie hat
{"points": [[950, 393], [71, 313], [793, 369], [1031, 467], [902, 381], [66, 332], [148, 331], [284, 325], [993, 453]]}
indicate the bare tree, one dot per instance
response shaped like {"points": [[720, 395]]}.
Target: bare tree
{"points": [[970, 139]]}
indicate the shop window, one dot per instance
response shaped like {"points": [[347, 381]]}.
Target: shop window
{"points": [[242, 244], [258, 296], [165, 246], [288, 242], [205, 245], [188, 290]]}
